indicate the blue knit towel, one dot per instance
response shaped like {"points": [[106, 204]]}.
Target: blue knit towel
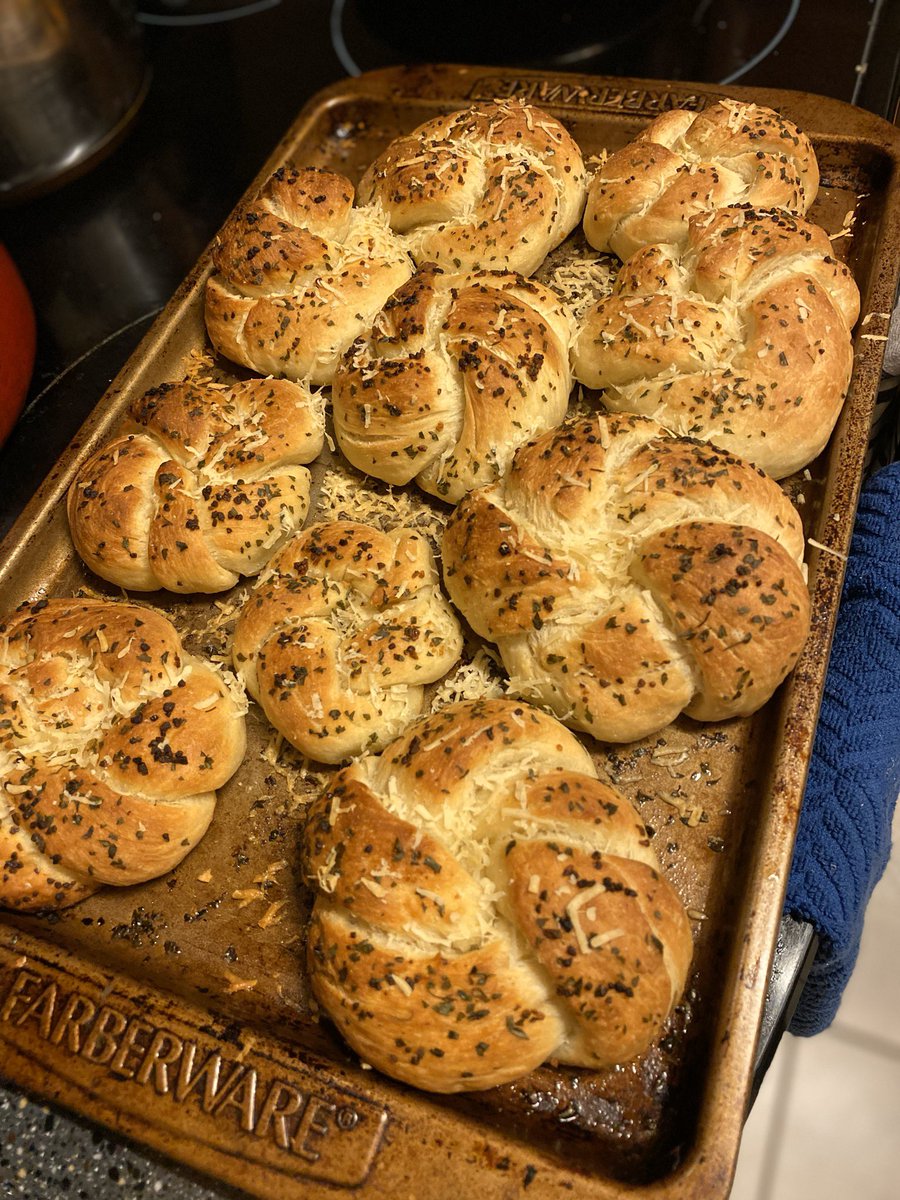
{"points": [[844, 835]]}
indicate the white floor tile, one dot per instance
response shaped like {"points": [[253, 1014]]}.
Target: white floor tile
{"points": [[839, 1123], [824, 1123], [872, 998], [761, 1129]]}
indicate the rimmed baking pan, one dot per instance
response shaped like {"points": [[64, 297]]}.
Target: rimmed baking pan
{"points": [[178, 1012]]}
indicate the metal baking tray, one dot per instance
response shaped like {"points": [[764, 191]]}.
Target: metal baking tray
{"points": [[178, 1012]]}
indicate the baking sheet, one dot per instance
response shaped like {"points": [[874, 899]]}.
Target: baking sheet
{"points": [[194, 1029]]}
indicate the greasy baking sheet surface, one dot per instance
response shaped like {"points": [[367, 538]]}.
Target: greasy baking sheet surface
{"points": [[225, 931]]}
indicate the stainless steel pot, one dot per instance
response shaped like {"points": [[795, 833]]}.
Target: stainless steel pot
{"points": [[72, 77]]}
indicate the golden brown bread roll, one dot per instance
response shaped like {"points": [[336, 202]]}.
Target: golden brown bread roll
{"points": [[113, 741], [457, 372], [685, 163], [485, 903], [201, 487], [299, 274], [626, 575], [742, 336], [494, 187], [342, 633]]}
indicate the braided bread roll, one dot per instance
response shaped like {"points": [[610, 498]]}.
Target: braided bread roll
{"points": [[457, 372], [201, 487], [685, 163], [742, 336], [342, 633], [485, 903], [626, 575], [300, 273], [113, 741], [494, 187]]}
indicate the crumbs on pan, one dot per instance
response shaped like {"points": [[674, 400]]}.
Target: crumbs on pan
{"points": [[236, 984], [260, 890], [303, 779]]}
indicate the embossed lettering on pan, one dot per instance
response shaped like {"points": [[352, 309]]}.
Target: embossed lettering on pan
{"points": [[323, 1132]]}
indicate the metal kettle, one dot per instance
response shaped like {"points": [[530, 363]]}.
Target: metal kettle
{"points": [[72, 76]]}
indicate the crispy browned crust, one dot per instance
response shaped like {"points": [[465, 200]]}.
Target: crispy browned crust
{"points": [[686, 163], [485, 903], [494, 187], [298, 274], [741, 336], [113, 741], [457, 372], [203, 485], [626, 575], [341, 635]]}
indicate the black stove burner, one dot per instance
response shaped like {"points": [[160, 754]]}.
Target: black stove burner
{"points": [[703, 40], [187, 13]]}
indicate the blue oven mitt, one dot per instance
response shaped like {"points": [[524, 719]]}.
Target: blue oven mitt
{"points": [[844, 837]]}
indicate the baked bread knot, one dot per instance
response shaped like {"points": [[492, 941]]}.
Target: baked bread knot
{"points": [[494, 187], [203, 485], [113, 740], [685, 163], [340, 636], [742, 336], [298, 274], [457, 372], [485, 903], [627, 575]]}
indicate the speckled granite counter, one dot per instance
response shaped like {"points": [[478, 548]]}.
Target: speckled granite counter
{"points": [[45, 1154]]}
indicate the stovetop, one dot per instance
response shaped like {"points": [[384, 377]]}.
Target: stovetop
{"points": [[722, 41], [104, 253]]}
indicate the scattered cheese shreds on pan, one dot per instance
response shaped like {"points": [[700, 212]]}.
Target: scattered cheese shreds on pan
{"points": [[827, 549], [236, 984], [343, 497], [481, 678], [272, 915]]}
